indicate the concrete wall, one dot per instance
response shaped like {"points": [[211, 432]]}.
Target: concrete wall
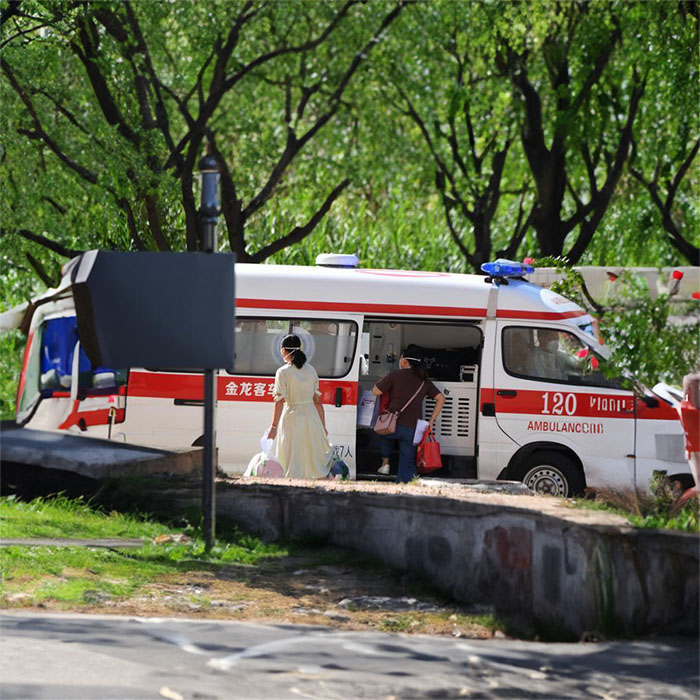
{"points": [[659, 280], [545, 571]]}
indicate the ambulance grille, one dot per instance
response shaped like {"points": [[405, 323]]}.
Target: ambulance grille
{"points": [[451, 422], [464, 419], [455, 427]]}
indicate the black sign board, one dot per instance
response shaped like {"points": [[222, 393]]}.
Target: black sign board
{"points": [[156, 310]]}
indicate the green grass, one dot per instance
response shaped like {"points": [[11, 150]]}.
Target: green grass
{"points": [[82, 574]]}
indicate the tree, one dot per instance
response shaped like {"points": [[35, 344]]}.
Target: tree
{"points": [[112, 102], [666, 140], [440, 81], [566, 64], [525, 115]]}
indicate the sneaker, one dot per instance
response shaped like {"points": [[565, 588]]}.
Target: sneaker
{"points": [[384, 469]]}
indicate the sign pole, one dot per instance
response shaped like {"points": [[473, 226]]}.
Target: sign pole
{"points": [[209, 212]]}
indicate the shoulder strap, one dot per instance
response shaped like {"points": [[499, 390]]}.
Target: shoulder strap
{"points": [[403, 408]]}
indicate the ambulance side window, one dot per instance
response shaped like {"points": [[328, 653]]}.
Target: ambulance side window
{"points": [[328, 344], [549, 354]]}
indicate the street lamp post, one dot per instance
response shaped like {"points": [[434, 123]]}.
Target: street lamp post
{"points": [[209, 213]]}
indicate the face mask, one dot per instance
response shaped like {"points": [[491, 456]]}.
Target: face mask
{"points": [[552, 346]]}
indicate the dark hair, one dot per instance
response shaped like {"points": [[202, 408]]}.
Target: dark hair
{"points": [[292, 343], [414, 357]]}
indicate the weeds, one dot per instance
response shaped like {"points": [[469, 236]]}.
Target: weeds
{"points": [[660, 508]]}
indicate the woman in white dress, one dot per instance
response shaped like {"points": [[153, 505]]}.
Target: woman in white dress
{"points": [[298, 421]]}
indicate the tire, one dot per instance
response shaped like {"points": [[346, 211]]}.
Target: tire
{"points": [[551, 474]]}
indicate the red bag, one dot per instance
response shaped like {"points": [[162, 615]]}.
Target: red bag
{"points": [[428, 456], [690, 420]]}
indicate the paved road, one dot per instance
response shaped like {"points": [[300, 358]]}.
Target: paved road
{"points": [[98, 657]]}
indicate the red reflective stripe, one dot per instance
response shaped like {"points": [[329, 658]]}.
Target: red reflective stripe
{"points": [[161, 385], [99, 416], [23, 374], [404, 309], [588, 404], [539, 315], [189, 387], [63, 394]]}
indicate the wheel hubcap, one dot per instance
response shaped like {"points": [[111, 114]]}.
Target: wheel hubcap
{"points": [[546, 481]]}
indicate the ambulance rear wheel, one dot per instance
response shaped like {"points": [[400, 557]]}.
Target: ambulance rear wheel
{"points": [[550, 474]]}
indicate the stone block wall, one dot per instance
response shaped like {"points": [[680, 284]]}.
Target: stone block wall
{"points": [[551, 571]]}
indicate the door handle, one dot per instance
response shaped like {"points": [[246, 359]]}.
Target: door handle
{"points": [[507, 393], [188, 402], [339, 397]]}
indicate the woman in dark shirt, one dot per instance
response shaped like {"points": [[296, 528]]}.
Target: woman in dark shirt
{"points": [[401, 385]]}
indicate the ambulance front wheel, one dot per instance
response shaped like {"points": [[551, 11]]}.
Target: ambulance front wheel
{"points": [[550, 474]]}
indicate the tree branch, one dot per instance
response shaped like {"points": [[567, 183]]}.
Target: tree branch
{"points": [[455, 236], [293, 144], [676, 238], [300, 232], [86, 52], [43, 241], [300, 48], [231, 206], [131, 223], [38, 133], [599, 201], [11, 10], [47, 279]]}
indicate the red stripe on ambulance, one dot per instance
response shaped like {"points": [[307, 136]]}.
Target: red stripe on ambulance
{"points": [[189, 387], [554, 404], [402, 309]]}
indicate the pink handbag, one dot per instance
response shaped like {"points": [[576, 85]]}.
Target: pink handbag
{"points": [[386, 420]]}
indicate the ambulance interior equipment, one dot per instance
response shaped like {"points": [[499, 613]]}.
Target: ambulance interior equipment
{"points": [[451, 354]]}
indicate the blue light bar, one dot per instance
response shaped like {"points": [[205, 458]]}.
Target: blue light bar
{"points": [[507, 268]]}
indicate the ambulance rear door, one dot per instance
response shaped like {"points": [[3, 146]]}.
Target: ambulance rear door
{"points": [[245, 395]]}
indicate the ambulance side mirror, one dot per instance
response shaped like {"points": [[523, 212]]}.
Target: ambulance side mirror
{"points": [[650, 401]]}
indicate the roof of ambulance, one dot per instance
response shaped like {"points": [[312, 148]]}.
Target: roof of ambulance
{"points": [[393, 292]]}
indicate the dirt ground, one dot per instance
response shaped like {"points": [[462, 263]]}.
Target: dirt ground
{"points": [[323, 587]]}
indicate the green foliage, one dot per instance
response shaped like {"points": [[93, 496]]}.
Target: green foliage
{"points": [[78, 177], [654, 340], [11, 353], [78, 186]]}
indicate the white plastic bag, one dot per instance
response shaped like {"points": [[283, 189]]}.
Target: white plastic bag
{"points": [[266, 444]]}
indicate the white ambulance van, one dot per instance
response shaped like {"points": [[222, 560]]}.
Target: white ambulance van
{"points": [[522, 370]]}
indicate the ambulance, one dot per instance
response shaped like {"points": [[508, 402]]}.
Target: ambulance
{"points": [[529, 392]]}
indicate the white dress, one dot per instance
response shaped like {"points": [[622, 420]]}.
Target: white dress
{"points": [[301, 447]]}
